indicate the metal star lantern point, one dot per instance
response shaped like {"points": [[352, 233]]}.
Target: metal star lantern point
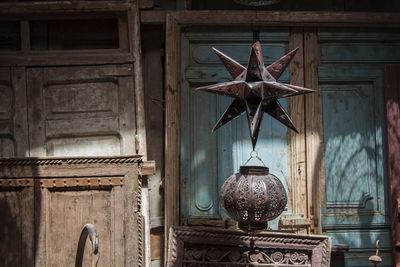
{"points": [[255, 90]]}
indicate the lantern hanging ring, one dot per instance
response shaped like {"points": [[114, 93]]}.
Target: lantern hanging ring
{"points": [[254, 155]]}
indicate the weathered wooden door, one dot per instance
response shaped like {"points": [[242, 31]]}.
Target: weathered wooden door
{"points": [[81, 111], [208, 159], [350, 76]]}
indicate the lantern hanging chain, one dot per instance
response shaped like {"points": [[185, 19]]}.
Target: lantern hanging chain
{"points": [[254, 155]]}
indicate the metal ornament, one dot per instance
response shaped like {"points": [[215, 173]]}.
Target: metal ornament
{"points": [[253, 197], [255, 90]]}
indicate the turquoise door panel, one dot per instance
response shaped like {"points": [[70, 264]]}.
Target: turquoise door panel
{"points": [[351, 79], [208, 159]]}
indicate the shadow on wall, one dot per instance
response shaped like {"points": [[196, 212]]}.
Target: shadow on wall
{"points": [[19, 233]]}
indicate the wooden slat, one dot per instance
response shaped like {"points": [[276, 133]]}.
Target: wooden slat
{"points": [[146, 3], [22, 8], [27, 226], [277, 18], [135, 48], [18, 80], [36, 115], [297, 165], [172, 127], [147, 168], [392, 99], [25, 36], [152, 17], [314, 130], [65, 58]]}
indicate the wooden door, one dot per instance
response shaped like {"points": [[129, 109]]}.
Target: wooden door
{"points": [[207, 159], [75, 111], [13, 123], [350, 76]]}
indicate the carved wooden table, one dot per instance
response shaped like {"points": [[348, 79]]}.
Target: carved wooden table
{"points": [[195, 247]]}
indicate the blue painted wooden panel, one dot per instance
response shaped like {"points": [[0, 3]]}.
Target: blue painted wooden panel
{"points": [[208, 159], [351, 79]]}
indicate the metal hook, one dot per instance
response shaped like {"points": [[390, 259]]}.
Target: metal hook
{"points": [[375, 259]]}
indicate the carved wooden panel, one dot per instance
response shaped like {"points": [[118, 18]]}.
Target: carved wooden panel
{"points": [[13, 124], [190, 247], [46, 202], [81, 111]]}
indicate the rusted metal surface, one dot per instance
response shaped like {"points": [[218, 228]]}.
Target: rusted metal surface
{"points": [[189, 247], [255, 90], [253, 197]]}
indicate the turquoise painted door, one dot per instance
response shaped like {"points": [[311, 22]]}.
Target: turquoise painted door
{"points": [[208, 159], [351, 78]]}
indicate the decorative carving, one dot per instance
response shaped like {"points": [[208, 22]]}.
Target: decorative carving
{"points": [[253, 197], [70, 161], [216, 247]]}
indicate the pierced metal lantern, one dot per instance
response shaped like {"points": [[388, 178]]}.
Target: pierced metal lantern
{"points": [[253, 197]]}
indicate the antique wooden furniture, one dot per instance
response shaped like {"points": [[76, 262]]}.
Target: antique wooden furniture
{"points": [[45, 202], [217, 247]]}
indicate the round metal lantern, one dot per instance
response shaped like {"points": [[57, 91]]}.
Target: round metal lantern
{"points": [[253, 197]]}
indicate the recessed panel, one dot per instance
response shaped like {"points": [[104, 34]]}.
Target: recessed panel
{"points": [[67, 213], [86, 146], [10, 36], [6, 101], [350, 157], [74, 34], [7, 147], [79, 100]]}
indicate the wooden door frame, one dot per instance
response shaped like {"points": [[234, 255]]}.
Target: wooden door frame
{"points": [[313, 139]]}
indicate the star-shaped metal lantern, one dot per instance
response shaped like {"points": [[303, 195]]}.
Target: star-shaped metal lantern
{"points": [[255, 90]]}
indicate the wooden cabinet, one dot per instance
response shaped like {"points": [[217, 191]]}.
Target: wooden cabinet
{"points": [[46, 202]]}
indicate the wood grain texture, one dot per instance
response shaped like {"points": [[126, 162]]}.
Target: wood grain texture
{"points": [[60, 214], [66, 58], [392, 99], [313, 130], [135, 48], [297, 164], [23, 8], [172, 125], [274, 18], [16, 224]]}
